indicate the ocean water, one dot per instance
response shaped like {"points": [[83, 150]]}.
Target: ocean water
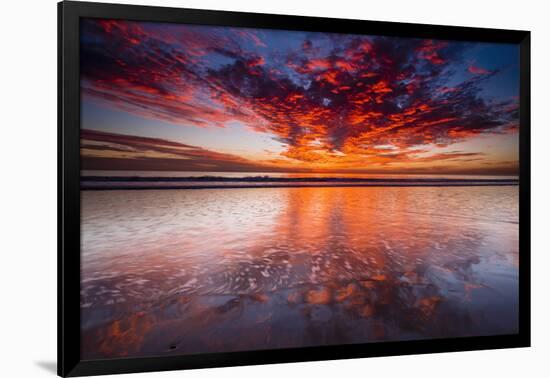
{"points": [[168, 272]]}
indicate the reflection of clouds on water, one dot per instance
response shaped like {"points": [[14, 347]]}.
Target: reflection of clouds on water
{"points": [[295, 267]]}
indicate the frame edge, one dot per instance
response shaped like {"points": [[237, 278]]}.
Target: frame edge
{"points": [[68, 187]]}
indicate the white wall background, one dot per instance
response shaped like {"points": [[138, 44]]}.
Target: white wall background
{"points": [[28, 186]]}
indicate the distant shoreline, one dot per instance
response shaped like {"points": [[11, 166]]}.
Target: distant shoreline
{"points": [[213, 182]]}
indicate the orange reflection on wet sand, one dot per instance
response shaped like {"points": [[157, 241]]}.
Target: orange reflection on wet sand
{"points": [[216, 270]]}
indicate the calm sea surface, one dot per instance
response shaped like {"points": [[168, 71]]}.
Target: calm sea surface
{"points": [[215, 270]]}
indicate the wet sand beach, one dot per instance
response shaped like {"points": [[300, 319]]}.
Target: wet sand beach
{"points": [[196, 271]]}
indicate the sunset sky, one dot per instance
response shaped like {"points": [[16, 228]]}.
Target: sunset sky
{"points": [[178, 97]]}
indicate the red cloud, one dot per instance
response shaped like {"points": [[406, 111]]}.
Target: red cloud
{"points": [[247, 34], [478, 70], [325, 107], [429, 51], [256, 61]]}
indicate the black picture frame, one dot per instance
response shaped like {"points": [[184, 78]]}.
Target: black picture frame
{"points": [[69, 341]]}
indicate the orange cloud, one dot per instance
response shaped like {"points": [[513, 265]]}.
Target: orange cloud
{"points": [[328, 107]]}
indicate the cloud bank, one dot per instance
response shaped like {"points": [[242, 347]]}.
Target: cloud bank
{"points": [[333, 101]]}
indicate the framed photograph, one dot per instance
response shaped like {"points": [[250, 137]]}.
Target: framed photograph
{"points": [[239, 188]]}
